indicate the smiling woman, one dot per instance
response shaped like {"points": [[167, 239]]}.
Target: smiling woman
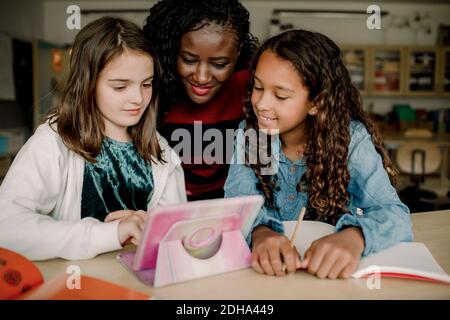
{"points": [[204, 47]]}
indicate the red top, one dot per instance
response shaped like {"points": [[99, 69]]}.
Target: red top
{"points": [[224, 112]]}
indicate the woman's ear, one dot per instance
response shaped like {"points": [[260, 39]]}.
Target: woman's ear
{"points": [[238, 53], [313, 111]]}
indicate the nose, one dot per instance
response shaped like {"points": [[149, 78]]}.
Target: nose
{"points": [[137, 96], [262, 102], [202, 74]]}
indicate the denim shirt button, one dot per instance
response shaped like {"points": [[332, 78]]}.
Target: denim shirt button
{"points": [[291, 197], [293, 169], [359, 211]]}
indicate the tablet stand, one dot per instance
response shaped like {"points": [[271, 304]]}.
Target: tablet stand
{"points": [[174, 264]]}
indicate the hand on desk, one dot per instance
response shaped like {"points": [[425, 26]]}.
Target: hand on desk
{"points": [[271, 250], [333, 256], [131, 225]]}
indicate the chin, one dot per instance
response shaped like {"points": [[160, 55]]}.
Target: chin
{"points": [[200, 99]]}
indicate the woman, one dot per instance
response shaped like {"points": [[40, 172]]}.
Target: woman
{"points": [[204, 47]]}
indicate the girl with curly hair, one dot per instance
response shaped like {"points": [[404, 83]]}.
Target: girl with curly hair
{"points": [[204, 47], [330, 160]]}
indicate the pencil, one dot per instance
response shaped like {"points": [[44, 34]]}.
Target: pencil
{"points": [[294, 234], [297, 225]]}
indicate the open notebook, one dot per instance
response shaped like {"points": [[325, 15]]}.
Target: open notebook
{"points": [[410, 260]]}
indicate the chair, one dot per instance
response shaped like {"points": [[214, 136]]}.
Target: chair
{"points": [[419, 158]]}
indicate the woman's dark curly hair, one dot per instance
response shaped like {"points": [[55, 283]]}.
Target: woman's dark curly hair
{"points": [[319, 64], [170, 19]]}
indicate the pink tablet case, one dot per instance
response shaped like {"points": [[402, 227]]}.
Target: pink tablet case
{"points": [[161, 258]]}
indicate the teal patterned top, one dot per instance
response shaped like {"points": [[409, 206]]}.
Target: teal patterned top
{"points": [[120, 179]]}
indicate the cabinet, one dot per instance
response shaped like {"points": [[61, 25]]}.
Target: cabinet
{"points": [[357, 63], [386, 70], [444, 75], [421, 70]]}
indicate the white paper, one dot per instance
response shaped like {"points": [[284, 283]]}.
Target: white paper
{"points": [[409, 258]]}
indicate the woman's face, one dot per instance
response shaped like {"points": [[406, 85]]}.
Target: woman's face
{"points": [[206, 60]]}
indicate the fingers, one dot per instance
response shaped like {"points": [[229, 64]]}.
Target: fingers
{"points": [[290, 258], [337, 269], [255, 263], [265, 263], [276, 262], [117, 215], [130, 229], [315, 260], [122, 214], [142, 214], [328, 262], [349, 270], [306, 260]]}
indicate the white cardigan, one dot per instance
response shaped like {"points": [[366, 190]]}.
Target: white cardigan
{"points": [[40, 200]]}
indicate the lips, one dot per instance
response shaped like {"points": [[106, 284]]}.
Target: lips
{"points": [[133, 111], [267, 118], [201, 90], [265, 121]]}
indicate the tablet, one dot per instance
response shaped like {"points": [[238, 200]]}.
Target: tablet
{"points": [[176, 222]]}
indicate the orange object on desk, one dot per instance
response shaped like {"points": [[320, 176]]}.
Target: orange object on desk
{"points": [[22, 280]]}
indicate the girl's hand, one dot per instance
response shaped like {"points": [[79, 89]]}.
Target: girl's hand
{"points": [[272, 253], [122, 214], [335, 255], [130, 229]]}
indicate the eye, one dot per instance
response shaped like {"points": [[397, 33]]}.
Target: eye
{"points": [[281, 98], [119, 88], [220, 65], [257, 88], [147, 85], [188, 61]]}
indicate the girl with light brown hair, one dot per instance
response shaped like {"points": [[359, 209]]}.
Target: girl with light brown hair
{"points": [[82, 183]]}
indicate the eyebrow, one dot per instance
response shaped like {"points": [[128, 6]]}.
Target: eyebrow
{"points": [[128, 80], [278, 87], [196, 56]]}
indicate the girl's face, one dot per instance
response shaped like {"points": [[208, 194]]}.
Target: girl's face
{"points": [[279, 97], [206, 61], [124, 91]]}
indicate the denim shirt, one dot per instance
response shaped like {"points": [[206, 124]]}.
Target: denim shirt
{"points": [[373, 206]]}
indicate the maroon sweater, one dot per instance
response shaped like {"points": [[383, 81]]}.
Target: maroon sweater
{"points": [[224, 111]]}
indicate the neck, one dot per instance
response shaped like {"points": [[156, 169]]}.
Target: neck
{"points": [[118, 135], [293, 143], [294, 138]]}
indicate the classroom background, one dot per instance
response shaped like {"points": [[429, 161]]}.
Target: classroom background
{"points": [[400, 63]]}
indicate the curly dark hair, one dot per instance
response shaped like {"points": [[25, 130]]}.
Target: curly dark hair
{"points": [[170, 19], [318, 61]]}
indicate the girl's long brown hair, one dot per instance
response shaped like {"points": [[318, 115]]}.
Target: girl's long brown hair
{"points": [[78, 119], [319, 64]]}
